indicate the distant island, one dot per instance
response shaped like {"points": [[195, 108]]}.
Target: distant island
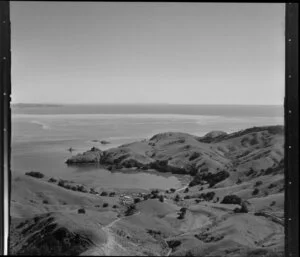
{"points": [[29, 105]]}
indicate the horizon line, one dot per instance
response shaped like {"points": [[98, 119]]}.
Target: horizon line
{"points": [[64, 104]]}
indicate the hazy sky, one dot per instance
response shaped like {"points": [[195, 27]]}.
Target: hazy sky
{"points": [[185, 53]]}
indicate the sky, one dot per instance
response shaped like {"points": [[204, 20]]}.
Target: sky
{"points": [[134, 52]]}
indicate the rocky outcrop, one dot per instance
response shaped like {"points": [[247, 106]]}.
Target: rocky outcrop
{"points": [[91, 156]]}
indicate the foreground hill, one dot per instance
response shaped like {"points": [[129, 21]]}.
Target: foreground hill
{"points": [[233, 206]]}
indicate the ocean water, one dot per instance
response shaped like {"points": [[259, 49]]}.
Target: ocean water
{"points": [[41, 135]]}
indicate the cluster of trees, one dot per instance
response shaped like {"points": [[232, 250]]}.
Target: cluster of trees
{"points": [[79, 188], [162, 166], [207, 238], [111, 194], [207, 196], [35, 174], [232, 199], [131, 209], [208, 177]]}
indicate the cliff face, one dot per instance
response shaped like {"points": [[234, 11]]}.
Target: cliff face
{"points": [[255, 149]]}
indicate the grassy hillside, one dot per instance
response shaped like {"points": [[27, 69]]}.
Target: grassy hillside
{"points": [[234, 205]]}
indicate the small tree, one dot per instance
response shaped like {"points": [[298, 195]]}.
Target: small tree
{"points": [[177, 198], [112, 194], [244, 208], [131, 209], [182, 213], [231, 199], [137, 200], [255, 191], [186, 190], [258, 183], [161, 198], [61, 183], [81, 211], [105, 205], [52, 180]]}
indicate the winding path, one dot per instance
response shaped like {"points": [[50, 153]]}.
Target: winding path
{"points": [[111, 243]]}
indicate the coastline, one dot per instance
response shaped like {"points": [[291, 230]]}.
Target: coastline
{"points": [[222, 184]]}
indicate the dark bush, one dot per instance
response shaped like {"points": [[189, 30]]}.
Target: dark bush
{"points": [[82, 210], [92, 191], [112, 194], [186, 190], [137, 200], [104, 193], [173, 243], [161, 198], [35, 174], [81, 188], [207, 196], [231, 199], [172, 190], [67, 187], [61, 183], [187, 197], [271, 186], [52, 180], [154, 194], [272, 203], [45, 202], [258, 183], [255, 191], [211, 179], [177, 198], [207, 238], [181, 215], [131, 209], [239, 181], [183, 209], [194, 156], [105, 205], [115, 206], [251, 172]]}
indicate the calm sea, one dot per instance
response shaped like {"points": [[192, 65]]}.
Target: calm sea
{"points": [[41, 135]]}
